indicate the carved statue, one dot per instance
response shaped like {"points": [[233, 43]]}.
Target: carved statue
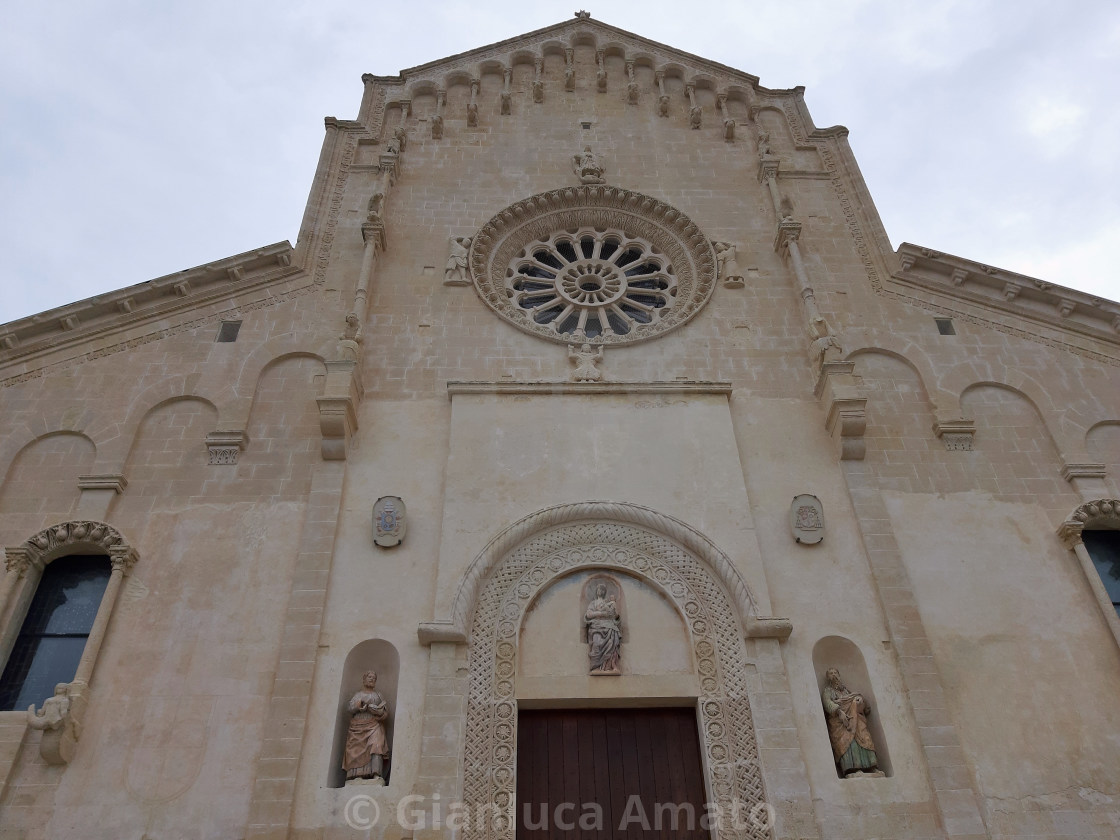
{"points": [[54, 712], [585, 359], [729, 271], [847, 714], [373, 209], [695, 116], [351, 338], [507, 102], [401, 137], [538, 90], [367, 750], [763, 143], [437, 127], [728, 129], [786, 209], [570, 79], [455, 273], [632, 93], [587, 167], [604, 633], [663, 105], [472, 114]]}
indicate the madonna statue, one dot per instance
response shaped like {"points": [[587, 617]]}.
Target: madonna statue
{"points": [[604, 633]]}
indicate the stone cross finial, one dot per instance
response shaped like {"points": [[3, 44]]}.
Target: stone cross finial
{"points": [[582, 15]]}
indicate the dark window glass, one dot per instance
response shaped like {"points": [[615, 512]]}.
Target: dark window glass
{"points": [[1104, 548], [54, 633], [228, 330], [945, 326]]}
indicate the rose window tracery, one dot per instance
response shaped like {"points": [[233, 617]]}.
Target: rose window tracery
{"points": [[590, 282], [594, 264]]}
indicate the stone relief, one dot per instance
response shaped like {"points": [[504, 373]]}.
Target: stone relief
{"points": [[54, 712], [455, 273], [584, 360], [366, 757], [847, 714], [806, 518], [587, 167], [604, 633], [388, 521], [763, 144], [729, 272]]}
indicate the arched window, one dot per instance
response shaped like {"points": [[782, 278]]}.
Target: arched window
{"points": [[1104, 550], [55, 630]]}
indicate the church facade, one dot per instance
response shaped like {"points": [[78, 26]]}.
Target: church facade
{"points": [[592, 461]]}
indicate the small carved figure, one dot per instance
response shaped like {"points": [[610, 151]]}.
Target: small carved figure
{"points": [[54, 712], [538, 91], [695, 116], [455, 273], [847, 714], [823, 342], [585, 359], [763, 143], [367, 750], [507, 102], [604, 633], [786, 211], [472, 114], [570, 79], [582, 15], [729, 129], [729, 271], [587, 167], [632, 93], [351, 338], [601, 79], [437, 127], [401, 136], [373, 209], [663, 105]]}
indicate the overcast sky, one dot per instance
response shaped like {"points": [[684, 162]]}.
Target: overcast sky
{"points": [[139, 138]]}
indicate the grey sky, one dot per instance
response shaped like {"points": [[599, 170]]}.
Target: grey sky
{"points": [[138, 138]]}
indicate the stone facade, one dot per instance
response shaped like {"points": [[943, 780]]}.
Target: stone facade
{"points": [[780, 347]]}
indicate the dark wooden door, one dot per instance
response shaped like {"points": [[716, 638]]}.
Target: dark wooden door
{"points": [[641, 767]]}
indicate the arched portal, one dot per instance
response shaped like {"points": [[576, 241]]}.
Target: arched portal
{"points": [[703, 586]]}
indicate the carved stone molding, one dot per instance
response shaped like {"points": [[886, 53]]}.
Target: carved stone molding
{"points": [[109, 481], [1102, 513], [713, 622], [956, 434], [1072, 471], [225, 447], [500, 241], [338, 407]]}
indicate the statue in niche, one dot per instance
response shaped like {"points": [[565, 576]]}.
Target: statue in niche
{"points": [[455, 273], [472, 114], [584, 360], [847, 714], [663, 105], [437, 127], [538, 90], [604, 633], [367, 750], [54, 712], [633, 92], [695, 116], [587, 167], [729, 273]]}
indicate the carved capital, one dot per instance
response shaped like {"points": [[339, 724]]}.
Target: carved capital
{"points": [[123, 558], [768, 169], [373, 231], [955, 432], [225, 446], [788, 231], [18, 559]]}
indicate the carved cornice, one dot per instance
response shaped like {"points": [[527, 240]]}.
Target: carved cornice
{"points": [[1026, 297], [788, 231], [1103, 514], [224, 447], [956, 434], [501, 239], [75, 537], [1072, 471], [611, 388], [95, 316]]}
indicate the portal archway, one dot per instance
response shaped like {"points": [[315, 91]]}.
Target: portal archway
{"points": [[635, 546]]}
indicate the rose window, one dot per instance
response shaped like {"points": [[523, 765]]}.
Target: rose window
{"points": [[590, 283], [595, 264]]}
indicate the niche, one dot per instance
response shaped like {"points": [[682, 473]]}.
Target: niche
{"points": [[371, 655], [842, 654]]}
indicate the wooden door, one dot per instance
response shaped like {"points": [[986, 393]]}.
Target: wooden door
{"points": [[641, 767]]}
